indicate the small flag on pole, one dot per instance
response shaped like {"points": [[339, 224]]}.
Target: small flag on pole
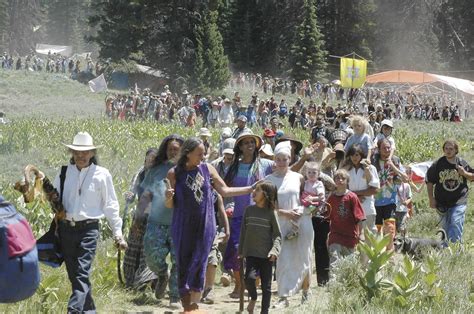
{"points": [[98, 84]]}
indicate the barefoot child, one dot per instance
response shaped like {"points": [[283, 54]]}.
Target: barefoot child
{"points": [[345, 218], [259, 243]]}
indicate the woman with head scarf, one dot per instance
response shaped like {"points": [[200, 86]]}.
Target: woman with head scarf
{"points": [[293, 269]]}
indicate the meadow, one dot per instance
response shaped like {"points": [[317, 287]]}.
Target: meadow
{"points": [[48, 110]]}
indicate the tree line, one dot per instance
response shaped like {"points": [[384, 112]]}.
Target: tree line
{"points": [[199, 41]]}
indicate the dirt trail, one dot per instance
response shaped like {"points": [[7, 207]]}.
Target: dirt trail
{"points": [[224, 304]]}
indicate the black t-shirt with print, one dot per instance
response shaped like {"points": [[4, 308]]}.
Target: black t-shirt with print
{"points": [[450, 187]]}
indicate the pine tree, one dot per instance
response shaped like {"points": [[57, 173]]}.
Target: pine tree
{"points": [[348, 26], [120, 27], [3, 25], [211, 69], [309, 56], [23, 18]]}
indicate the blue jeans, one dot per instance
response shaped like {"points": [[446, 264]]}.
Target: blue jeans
{"points": [[453, 222], [78, 245]]}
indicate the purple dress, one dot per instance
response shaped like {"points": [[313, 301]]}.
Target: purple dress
{"points": [[245, 176], [193, 227]]}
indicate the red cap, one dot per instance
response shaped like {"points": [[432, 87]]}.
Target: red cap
{"points": [[269, 133]]}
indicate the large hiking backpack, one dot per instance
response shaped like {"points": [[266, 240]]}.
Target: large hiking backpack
{"points": [[19, 271]]}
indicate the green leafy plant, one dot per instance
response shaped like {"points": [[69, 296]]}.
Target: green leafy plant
{"points": [[374, 248]]}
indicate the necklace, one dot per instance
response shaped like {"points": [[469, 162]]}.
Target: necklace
{"points": [[80, 187]]}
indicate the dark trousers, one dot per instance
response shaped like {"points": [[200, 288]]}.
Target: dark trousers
{"points": [[78, 245], [321, 231], [262, 266]]}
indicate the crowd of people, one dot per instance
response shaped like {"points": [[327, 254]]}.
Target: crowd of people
{"points": [[262, 208], [273, 197], [251, 204], [51, 63], [186, 109]]}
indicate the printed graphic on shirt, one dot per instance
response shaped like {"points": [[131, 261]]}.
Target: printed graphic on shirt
{"points": [[195, 184], [450, 179], [341, 210]]}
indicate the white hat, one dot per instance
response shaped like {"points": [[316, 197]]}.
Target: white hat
{"points": [[163, 94], [283, 148], [386, 122], [226, 132], [228, 146], [204, 132], [82, 142], [267, 150]]}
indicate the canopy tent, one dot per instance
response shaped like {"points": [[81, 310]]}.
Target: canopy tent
{"points": [[45, 49], [412, 81]]}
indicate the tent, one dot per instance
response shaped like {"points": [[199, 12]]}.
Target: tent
{"points": [[44, 49], [420, 81]]}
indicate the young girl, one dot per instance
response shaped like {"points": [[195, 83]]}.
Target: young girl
{"points": [[386, 129], [312, 197], [260, 240], [360, 136]]}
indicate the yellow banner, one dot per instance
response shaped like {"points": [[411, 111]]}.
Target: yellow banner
{"points": [[353, 72]]}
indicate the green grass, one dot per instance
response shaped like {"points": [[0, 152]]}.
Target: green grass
{"points": [[36, 139]]}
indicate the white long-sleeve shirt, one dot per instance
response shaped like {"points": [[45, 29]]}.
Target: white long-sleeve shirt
{"points": [[97, 198]]}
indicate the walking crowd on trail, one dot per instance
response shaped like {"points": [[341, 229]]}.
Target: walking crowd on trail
{"points": [[282, 204], [260, 207], [329, 100]]}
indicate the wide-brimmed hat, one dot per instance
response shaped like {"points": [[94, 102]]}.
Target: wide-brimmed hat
{"points": [[228, 146], [248, 134], [298, 144], [267, 150], [204, 132], [82, 142]]}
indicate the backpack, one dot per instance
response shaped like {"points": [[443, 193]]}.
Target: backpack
{"points": [[19, 270]]}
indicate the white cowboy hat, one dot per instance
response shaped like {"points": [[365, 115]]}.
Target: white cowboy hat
{"points": [[82, 142]]}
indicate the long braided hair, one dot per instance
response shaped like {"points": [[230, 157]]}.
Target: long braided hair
{"points": [[234, 167]]}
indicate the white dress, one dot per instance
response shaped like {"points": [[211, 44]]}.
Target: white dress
{"points": [[294, 262]]}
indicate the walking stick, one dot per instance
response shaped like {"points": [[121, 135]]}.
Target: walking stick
{"points": [[242, 285], [119, 253]]}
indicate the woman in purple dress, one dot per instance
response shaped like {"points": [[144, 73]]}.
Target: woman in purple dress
{"points": [[193, 225]]}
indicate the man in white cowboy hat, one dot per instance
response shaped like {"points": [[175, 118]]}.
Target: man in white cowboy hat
{"points": [[88, 195]]}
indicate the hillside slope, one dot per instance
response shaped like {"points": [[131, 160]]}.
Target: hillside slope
{"points": [[25, 93]]}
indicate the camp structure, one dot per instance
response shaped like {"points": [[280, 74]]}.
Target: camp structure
{"points": [[142, 75], [422, 83]]}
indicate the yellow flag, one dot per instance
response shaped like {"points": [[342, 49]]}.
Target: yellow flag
{"points": [[353, 72]]}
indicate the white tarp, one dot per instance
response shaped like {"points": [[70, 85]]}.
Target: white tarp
{"points": [[98, 84], [148, 70], [44, 49]]}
